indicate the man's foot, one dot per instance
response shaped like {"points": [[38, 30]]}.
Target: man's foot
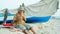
{"points": [[18, 29]]}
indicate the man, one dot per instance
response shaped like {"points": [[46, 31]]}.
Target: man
{"points": [[20, 22]]}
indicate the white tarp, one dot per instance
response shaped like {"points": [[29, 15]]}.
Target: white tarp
{"points": [[42, 8]]}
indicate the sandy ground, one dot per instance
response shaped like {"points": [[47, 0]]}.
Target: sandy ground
{"points": [[50, 27]]}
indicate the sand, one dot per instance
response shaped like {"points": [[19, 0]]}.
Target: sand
{"points": [[50, 27]]}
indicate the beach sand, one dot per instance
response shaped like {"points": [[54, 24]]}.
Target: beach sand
{"points": [[50, 27]]}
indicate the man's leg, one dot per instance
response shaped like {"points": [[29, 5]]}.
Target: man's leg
{"points": [[26, 31], [32, 29]]}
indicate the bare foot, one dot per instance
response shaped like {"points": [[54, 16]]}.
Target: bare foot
{"points": [[18, 29]]}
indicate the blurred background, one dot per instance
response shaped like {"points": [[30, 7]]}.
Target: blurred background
{"points": [[12, 4]]}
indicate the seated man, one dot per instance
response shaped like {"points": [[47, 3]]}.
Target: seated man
{"points": [[19, 21]]}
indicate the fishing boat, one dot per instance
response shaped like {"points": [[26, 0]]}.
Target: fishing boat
{"points": [[40, 11]]}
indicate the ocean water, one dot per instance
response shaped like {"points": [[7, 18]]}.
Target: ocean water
{"points": [[1, 15]]}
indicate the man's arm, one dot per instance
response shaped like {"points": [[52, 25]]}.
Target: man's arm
{"points": [[14, 19], [24, 18]]}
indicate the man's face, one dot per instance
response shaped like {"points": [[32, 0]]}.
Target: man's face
{"points": [[21, 12]]}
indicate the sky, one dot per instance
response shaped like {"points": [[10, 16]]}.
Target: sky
{"points": [[12, 4]]}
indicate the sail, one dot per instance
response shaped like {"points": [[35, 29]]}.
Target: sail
{"points": [[42, 8]]}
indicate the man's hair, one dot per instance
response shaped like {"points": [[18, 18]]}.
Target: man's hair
{"points": [[20, 11], [21, 8]]}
